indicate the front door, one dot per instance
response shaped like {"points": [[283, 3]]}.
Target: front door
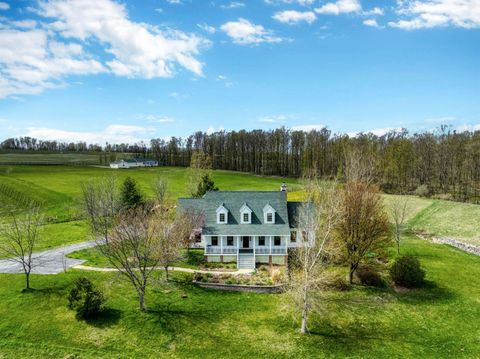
{"points": [[246, 242]]}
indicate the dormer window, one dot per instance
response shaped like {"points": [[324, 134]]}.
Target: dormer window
{"points": [[245, 214], [222, 215], [269, 214]]}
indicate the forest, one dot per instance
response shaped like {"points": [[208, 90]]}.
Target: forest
{"points": [[443, 163]]}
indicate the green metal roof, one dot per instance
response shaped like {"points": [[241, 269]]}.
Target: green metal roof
{"points": [[233, 201]]}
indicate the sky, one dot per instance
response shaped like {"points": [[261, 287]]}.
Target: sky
{"points": [[125, 71]]}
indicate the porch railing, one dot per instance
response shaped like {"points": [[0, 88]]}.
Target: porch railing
{"points": [[233, 250]]}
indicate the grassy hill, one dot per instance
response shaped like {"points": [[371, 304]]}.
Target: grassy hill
{"points": [[439, 321]]}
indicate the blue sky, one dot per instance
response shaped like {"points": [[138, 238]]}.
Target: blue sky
{"points": [[105, 70]]}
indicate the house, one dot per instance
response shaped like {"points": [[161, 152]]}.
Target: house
{"points": [[249, 227], [134, 162]]}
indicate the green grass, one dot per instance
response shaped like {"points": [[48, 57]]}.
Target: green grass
{"points": [[50, 158], [439, 321]]}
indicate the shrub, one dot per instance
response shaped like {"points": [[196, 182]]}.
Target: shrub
{"points": [[370, 277], [336, 281], [422, 191], [407, 272], [85, 299]]}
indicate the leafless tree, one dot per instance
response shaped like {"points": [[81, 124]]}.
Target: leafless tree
{"points": [[160, 187], [101, 204], [398, 211], [363, 224], [133, 248], [20, 237], [194, 221], [317, 219], [360, 166]]}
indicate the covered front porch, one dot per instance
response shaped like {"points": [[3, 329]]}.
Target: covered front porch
{"points": [[252, 244]]}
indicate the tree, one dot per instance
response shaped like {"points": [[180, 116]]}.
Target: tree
{"points": [[159, 187], [101, 203], [363, 225], [131, 196], [317, 217], [198, 172], [85, 298], [20, 238], [398, 211], [206, 184]]}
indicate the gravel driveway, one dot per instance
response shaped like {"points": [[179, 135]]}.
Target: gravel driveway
{"points": [[51, 261]]}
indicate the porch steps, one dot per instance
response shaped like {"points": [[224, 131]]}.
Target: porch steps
{"points": [[246, 261]]}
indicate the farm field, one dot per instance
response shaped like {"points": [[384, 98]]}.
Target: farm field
{"points": [[50, 158], [362, 322]]}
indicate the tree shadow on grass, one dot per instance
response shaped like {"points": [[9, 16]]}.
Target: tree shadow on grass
{"points": [[106, 318], [430, 292]]}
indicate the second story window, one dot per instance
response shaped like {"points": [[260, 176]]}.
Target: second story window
{"points": [[222, 217], [246, 218], [269, 217]]}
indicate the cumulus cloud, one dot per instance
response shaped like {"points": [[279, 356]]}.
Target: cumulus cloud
{"points": [[308, 128], [376, 131], [207, 28], [4, 5], [371, 23], [294, 17], [243, 32], [111, 134], [340, 7], [420, 14], [375, 11]]}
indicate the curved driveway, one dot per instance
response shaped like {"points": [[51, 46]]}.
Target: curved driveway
{"points": [[51, 261]]}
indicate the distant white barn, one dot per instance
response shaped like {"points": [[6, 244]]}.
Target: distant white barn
{"points": [[133, 163]]}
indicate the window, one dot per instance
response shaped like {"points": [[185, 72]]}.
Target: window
{"points": [[293, 236], [305, 236], [246, 217], [215, 241], [261, 240], [277, 240], [269, 217], [229, 241], [222, 217]]}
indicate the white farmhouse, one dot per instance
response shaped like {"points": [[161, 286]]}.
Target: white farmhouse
{"points": [[249, 227], [133, 163]]}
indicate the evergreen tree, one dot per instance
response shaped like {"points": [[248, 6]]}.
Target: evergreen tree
{"points": [[131, 196], [206, 184]]}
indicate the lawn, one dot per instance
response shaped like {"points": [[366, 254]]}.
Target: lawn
{"points": [[439, 321]]}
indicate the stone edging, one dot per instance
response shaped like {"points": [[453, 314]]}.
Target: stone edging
{"points": [[242, 287], [470, 248]]}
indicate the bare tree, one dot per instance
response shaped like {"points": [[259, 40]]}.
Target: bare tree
{"points": [[398, 211], [363, 225], [359, 166], [20, 237], [101, 204], [317, 219], [160, 187], [195, 221], [133, 248]]}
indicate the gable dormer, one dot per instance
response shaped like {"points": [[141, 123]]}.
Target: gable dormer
{"points": [[269, 214], [245, 214], [222, 214]]}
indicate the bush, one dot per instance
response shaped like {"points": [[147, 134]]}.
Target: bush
{"points": [[370, 277], [422, 191], [407, 272], [336, 281], [85, 299]]}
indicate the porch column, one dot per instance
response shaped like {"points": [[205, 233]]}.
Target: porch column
{"points": [[270, 240], [221, 244]]}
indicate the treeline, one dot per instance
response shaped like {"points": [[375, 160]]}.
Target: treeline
{"points": [[443, 162]]}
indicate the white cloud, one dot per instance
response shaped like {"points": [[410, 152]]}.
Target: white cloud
{"points": [[4, 5], [340, 7], [30, 62], [207, 28], [233, 5], [275, 118], [294, 17], [212, 129], [243, 32], [139, 50], [111, 134], [158, 119], [159, 10], [24, 24], [468, 128], [174, 2], [433, 13], [371, 22], [299, 2], [376, 131], [375, 11], [308, 128]]}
